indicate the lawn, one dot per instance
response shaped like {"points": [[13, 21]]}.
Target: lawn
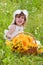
{"points": [[34, 25]]}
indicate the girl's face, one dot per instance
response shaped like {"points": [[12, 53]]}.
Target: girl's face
{"points": [[19, 20]]}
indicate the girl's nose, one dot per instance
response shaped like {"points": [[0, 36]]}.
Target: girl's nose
{"points": [[20, 18]]}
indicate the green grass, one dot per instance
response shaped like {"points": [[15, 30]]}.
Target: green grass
{"points": [[34, 25]]}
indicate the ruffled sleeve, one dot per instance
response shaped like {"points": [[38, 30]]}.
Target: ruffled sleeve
{"points": [[9, 26]]}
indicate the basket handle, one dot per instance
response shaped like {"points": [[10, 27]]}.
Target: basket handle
{"points": [[30, 35]]}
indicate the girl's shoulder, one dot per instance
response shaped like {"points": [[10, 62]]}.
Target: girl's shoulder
{"points": [[12, 26]]}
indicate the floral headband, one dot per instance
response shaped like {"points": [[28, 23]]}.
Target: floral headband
{"points": [[19, 11]]}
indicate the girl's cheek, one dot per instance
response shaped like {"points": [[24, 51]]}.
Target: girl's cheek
{"points": [[23, 20], [17, 20]]}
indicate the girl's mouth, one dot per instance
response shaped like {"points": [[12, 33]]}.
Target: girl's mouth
{"points": [[19, 21]]}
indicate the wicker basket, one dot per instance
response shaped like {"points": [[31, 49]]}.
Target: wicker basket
{"points": [[31, 50]]}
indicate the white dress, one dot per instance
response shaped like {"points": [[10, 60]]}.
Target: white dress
{"points": [[18, 29]]}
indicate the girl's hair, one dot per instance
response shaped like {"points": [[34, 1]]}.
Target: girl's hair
{"points": [[21, 14]]}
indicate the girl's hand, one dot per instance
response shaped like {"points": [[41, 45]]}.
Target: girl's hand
{"points": [[8, 36], [12, 29]]}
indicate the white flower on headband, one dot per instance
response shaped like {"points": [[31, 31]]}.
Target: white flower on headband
{"points": [[19, 11]]}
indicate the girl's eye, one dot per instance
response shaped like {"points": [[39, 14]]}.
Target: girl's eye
{"points": [[17, 16], [22, 17]]}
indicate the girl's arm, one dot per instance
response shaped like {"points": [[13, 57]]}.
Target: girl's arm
{"points": [[10, 31]]}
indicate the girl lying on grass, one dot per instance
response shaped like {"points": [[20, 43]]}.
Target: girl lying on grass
{"points": [[17, 26]]}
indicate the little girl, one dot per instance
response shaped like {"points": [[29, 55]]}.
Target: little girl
{"points": [[17, 25]]}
